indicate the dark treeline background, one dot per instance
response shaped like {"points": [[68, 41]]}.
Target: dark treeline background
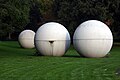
{"points": [[18, 15]]}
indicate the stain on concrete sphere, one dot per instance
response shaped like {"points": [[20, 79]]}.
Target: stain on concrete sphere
{"points": [[52, 39], [26, 39], [93, 39]]}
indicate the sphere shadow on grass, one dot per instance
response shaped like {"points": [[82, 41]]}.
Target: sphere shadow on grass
{"points": [[82, 56], [37, 53], [68, 55], [75, 56]]}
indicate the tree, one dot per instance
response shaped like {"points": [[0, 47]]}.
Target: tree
{"points": [[16, 14], [13, 16], [6, 19], [73, 12], [115, 8], [40, 11], [34, 16]]}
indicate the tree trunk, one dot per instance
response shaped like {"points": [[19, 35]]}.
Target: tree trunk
{"points": [[9, 36]]}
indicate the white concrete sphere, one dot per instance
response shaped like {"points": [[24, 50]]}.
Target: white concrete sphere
{"points": [[26, 39], [93, 39], [52, 39]]}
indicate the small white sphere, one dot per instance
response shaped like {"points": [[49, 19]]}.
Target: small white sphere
{"points": [[93, 39], [26, 39], [52, 39]]}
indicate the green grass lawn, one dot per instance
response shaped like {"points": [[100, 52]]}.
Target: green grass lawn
{"points": [[21, 64]]}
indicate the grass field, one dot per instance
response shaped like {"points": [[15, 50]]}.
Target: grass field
{"points": [[21, 64]]}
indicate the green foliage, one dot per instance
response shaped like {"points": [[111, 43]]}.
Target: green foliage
{"points": [[72, 12], [13, 15], [17, 63], [115, 8], [45, 5]]}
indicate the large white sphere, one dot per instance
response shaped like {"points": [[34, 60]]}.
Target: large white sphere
{"points": [[52, 39], [26, 39], [93, 39]]}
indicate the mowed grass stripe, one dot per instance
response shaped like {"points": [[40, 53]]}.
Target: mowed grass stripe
{"points": [[45, 68], [21, 64]]}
